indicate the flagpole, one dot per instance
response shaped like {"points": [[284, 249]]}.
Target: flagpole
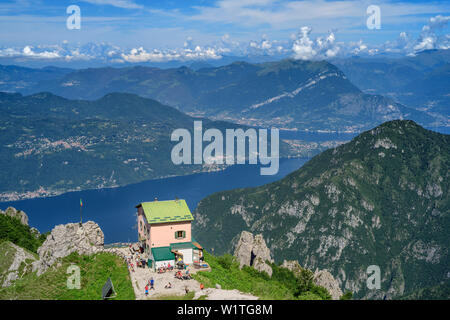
{"points": [[81, 216]]}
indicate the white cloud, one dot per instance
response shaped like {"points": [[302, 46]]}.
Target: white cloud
{"points": [[429, 39], [265, 46], [302, 45], [438, 22], [321, 48], [137, 55], [28, 52], [126, 4], [322, 15]]}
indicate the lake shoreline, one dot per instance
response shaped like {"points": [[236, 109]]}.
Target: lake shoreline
{"points": [[114, 208]]}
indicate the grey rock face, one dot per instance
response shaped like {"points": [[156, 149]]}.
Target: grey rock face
{"points": [[243, 251], [325, 279], [35, 232], [292, 265], [252, 251], [65, 239], [18, 214], [322, 278]]}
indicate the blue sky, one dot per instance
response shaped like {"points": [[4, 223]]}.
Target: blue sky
{"points": [[151, 29]]}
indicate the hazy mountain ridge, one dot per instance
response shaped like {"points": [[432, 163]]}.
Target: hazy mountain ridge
{"points": [[15, 78], [381, 199], [421, 81], [294, 94], [50, 145]]}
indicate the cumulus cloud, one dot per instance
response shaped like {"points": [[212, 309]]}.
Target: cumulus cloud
{"points": [[265, 46], [429, 38], [57, 52], [358, 48], [302, 45], [29, 52], [305, 48], [155, 55]]}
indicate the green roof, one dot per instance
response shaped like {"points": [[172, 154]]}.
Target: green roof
{"points": [[162, 254], [166, 211]]}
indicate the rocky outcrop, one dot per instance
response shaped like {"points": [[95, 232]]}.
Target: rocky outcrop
{"points": [[292, 265], [68, 238], [35, 232], [252, 251], [18, 214], [243, 250], [322, 278], [16, 262], [118, 252], [325, 279]]}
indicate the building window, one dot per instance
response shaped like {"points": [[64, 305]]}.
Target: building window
{"points": [[180, 234]]}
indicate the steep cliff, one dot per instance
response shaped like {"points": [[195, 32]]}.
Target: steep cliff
{"points": [[381, 199]]}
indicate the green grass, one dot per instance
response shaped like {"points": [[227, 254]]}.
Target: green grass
{"points": [[11, 229], [7, 253], [94, 271], [283, 285]]}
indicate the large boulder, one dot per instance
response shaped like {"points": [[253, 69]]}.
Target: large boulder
{"points": [[18, 214], [325, 279], [292, 265], [65, 239], [321, 278], [244, 248], [252, 251]]}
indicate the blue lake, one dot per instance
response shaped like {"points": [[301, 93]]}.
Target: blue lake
{"points": [[114, 209]]}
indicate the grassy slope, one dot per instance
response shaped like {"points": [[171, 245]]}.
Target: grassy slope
{"points": [[95, 270], [7, 254], [13, 230], [283, 285]]}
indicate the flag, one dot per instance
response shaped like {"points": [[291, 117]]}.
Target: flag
{"points": [[81, 203]]}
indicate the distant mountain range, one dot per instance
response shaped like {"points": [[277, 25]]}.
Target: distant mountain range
{"points": [[50, 145], [381, 199], [292, 94], [422, 81]]}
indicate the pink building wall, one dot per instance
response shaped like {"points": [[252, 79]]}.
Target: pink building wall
{"points": [[162, 234]]}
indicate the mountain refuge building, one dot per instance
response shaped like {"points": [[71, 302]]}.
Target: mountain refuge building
{"points": [[165, 233]]}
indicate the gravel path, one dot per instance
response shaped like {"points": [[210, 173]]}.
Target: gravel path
{"points": [[141, 276]]}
